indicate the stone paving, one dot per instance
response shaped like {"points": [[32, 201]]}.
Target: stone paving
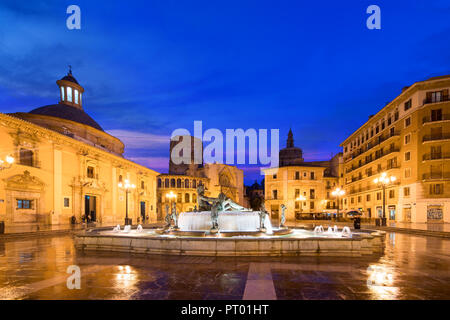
{"points": [[411, 267]]}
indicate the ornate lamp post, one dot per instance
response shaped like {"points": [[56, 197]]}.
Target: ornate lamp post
{"points": [[301, 199], [338, 192], [384, 181], [127, 186], [171, 197], [7, 163]]}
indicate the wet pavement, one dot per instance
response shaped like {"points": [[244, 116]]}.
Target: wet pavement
{"points": [[412, 267]]}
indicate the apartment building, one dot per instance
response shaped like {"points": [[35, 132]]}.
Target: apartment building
{"points": [[408, 139]]}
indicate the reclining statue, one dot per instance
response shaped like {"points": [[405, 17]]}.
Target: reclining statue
{"points": [[205, 203]]}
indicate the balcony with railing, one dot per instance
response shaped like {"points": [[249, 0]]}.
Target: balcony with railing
{"points": [[436, 175], [436, 156], [389, 166], [436, 99], [437, 118], [436, 137], [372, 144], [376, 157]]}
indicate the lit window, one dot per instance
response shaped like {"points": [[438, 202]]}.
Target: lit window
{"points": [[80, 98], [24, 204], [69, 94], [90, 172], [62, 93], [75, 92]]}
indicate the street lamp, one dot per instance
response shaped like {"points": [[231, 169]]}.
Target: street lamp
{"points": [[384, 181], [127, 186], [7, 163], [171, 196], [301, 199], [338, 192]]}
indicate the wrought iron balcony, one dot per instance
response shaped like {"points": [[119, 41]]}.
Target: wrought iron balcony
{"points": [[436, 175], [436, 137], [443, 117], [435, 156], [436, 100]]}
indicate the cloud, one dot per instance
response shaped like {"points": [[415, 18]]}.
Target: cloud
{"points": [[140, 140], [159, 164]]}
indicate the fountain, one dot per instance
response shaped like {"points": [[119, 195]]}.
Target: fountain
{"points": [[346, 232], [318, 229], [221, 227]]}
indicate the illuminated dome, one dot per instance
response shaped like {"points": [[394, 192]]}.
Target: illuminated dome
{"points": [[68, 118], [67, 112]]}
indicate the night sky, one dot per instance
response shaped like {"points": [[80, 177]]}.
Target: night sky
{"points": [[150, 67]]}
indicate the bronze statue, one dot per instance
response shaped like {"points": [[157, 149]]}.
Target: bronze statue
{"points": [[283, 216], [167, 217], [262, 217], [174, 216]]}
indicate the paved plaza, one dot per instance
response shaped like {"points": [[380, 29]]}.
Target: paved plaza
{"points": [[412, 267]]}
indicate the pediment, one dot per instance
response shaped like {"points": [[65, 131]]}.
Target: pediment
{"points": [[24, 181]]}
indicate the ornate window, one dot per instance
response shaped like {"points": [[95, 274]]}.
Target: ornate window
{"points": [[90, 172], [24, 204], [186, 198], [26, 157]]}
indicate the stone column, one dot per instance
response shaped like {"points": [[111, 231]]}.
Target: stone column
{"points": [[57, 187]]}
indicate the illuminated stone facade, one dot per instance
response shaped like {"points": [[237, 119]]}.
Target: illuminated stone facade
{"points": [[67, 166], [409, 138], [183, 179], [303, 187]]}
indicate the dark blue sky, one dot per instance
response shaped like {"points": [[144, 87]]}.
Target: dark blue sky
{"points": [[150, 67]]}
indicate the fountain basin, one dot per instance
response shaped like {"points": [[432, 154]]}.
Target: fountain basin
{"points": [[298, 243], [229, 221]]}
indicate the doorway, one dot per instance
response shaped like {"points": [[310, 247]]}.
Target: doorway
{"points": [[391, 212], [143, 211], [90, 208]]}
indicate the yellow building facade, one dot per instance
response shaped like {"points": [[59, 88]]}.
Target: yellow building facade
{"points": [[67, 166], [304, 188], [408, 139]]}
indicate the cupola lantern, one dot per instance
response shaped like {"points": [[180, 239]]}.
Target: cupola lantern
{"points": [[70, 90]]}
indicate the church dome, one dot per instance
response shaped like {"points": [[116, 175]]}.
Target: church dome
{"points": [[67, 112], [69, 118]]}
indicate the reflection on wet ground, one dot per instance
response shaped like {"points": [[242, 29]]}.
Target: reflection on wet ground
{"points": [[411, 268]]}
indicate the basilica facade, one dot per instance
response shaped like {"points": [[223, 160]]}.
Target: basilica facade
{"points": [[68, 169]]}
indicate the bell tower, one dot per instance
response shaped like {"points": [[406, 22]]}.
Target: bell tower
{"points": [[70, 91]]}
